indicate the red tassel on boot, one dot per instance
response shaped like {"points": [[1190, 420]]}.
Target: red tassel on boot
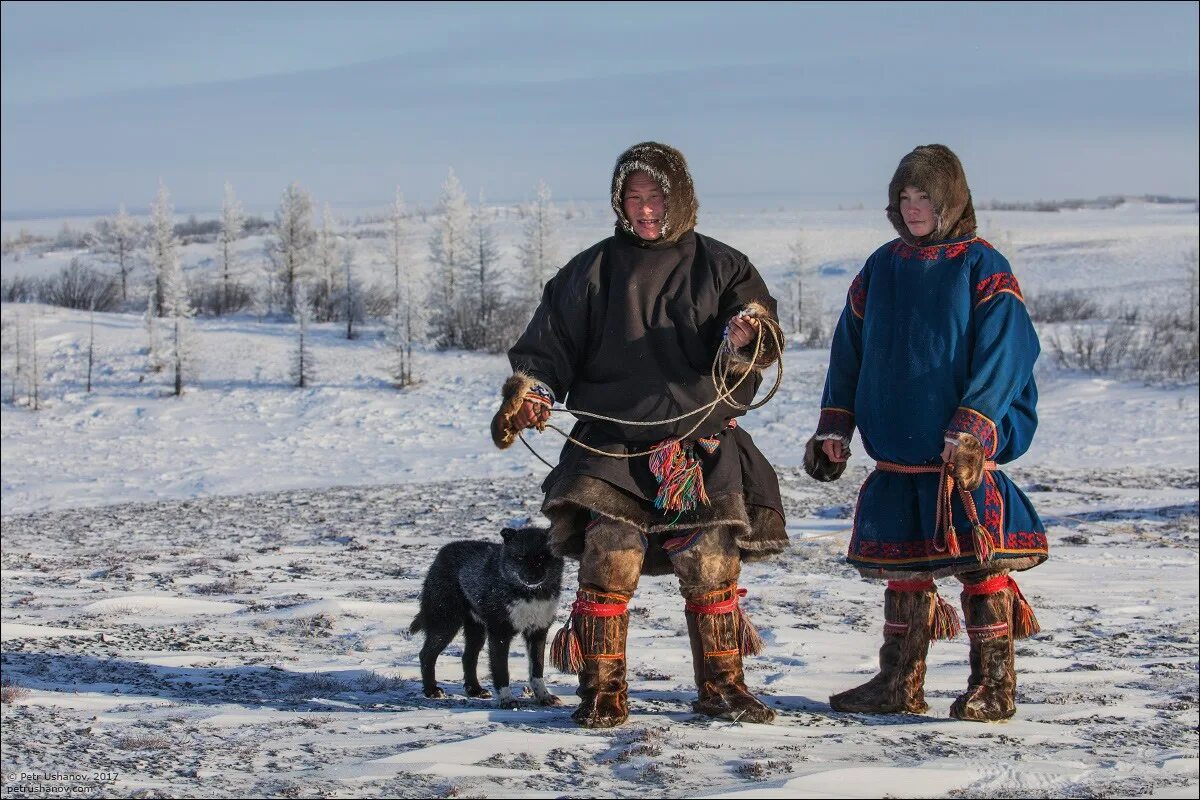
{"points": [[945, 624], [1025, 622], [565, 653], [750, 643]]}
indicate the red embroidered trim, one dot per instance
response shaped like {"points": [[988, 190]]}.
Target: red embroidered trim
{"points": [[968, 420], [720, 607], [1000, 283], [988, 631], [990, 586], [857, 297], [933, 252]]}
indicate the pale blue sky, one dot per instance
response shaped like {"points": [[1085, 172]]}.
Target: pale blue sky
{"points": [[774, 103]]}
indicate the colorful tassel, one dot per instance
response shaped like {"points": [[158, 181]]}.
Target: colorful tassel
{"points": [[945, 624], [983, 543], [679, 475], [1025, 622], [750, 643], [566, 655]]}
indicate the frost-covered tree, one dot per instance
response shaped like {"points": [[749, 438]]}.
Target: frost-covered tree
{"points": [[351, 294], [295, 240], [302, 358], [486, 292], [233, 222], [178, 312], [116, 242], [450, 256], [539, 248], [154, 354], [328, 264], [408, 295], [91, 351], [164, 247]]}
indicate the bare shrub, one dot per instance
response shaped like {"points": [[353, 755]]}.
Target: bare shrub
{"points": [[80, 286], [1065, 305], [319, 684], [1157, 347], [11, 693], [763, 769], [18, 289], [211, 298]]}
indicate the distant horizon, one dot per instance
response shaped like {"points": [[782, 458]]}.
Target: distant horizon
{"points": [[723, 204], [101, 101]]}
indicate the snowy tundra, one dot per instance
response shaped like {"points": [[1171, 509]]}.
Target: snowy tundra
{"points": [[210, 595]]}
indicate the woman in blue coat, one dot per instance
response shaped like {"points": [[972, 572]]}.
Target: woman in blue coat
{"points": [[932, 361]]}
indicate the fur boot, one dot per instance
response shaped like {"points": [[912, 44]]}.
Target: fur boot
{"points": [[719, 634], [914, 615], [601, 632], [989, 607]]}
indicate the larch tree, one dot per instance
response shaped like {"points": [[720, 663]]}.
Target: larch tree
{"points": [[407, 295], [302, 358], [328, 264], [163, 246], [486, 290], [450, 256], [178, 312], [539, 248], [295, 240], [233, 222], [116, 241]]}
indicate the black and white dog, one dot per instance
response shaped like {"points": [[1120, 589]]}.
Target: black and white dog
{"points": [[495, 591]]}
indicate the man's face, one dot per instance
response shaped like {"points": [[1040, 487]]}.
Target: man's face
{"points": [[917, 210], [645, 205]]}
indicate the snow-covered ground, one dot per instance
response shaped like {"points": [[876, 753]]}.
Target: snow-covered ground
{"points": [[209, 595]]}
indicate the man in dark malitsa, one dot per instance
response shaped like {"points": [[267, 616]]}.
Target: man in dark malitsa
{"points": [[630, 329]]}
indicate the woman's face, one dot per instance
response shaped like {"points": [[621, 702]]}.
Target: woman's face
{"points": [[917, 211], [645, 205]]}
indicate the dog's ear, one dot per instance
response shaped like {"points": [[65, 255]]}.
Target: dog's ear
{"points": [[507, 534]]}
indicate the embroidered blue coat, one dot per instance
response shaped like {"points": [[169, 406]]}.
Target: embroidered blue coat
{"points": [[935, 341]]}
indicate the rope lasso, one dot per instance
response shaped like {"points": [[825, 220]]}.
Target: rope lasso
{"points": [[719, 375]]}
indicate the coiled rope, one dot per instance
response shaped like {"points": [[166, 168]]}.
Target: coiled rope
{"points": [[720, 372]]}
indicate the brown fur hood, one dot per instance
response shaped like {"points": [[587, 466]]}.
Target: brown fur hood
{"points": [[667, 166], [934, 169]]}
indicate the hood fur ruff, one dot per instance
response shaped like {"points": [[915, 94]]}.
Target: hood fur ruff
{"points": [[666, 165], [934, 169]]}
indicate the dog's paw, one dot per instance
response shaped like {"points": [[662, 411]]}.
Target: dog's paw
{"points": [[435, 693], [479, 692], [508, 704], [550, 700]]}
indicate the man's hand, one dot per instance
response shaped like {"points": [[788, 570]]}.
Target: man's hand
{"points": [[835, 450], [532, 414], [948, 452], [742, 331]]}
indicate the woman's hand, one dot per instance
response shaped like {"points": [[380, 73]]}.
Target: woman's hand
{"points": [[835, 450]]}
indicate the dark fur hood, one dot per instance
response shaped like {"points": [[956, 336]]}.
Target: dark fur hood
{"points": [[667, 166], [934, 169]]}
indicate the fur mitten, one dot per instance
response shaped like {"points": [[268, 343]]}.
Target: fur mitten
{"points": [[820, 466], [504, 424], [968, 462], [741, 358]]}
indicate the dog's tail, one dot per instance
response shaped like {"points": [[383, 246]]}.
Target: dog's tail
{"points": [[417, 624]]}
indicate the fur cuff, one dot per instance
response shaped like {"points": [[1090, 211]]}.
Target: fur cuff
{"points": [[820, 466], [744, 356], [504, 430], [836, 423], [969, 421], [969, 461]]}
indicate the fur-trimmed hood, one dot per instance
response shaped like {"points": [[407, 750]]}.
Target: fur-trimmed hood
{"points": [[934, 169], [667, 166]]}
